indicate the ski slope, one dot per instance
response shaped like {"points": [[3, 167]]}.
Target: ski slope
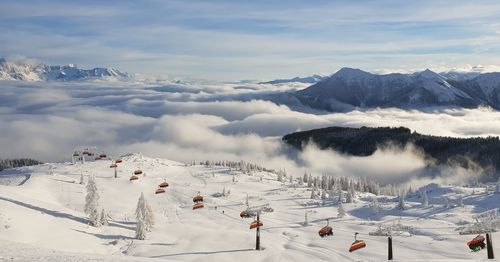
{"points": [[41, 217]]}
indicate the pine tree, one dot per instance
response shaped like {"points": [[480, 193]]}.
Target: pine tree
{"points": [[341, 211], [401, 202], [144, 212], [81, 179], [92, 202], [94, 219], [497, 187], [349, 197], [313, 194], [306, 220], [323, 194], [460, 201], [140, 230], [246, 202], [425, 200], [375, 207], [104, 218], [341, 195], [224, 191]]}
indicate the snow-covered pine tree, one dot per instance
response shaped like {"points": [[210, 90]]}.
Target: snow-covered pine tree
{"points": [[375, 206], [340, 211], [280, 176], [224, 191], [306, 220], [401, 201], [349, 197], [104, 218], [92, 202], [94, 219], [144, 212], [140, 230], [497, 187], [323, 194], [81, 179], [425, 200], [341, 195], [460, 201], [313, 193]]}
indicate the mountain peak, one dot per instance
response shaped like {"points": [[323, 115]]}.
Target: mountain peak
{"points": [[351, 73], [429, 74]]}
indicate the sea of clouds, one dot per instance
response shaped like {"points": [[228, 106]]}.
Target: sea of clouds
{"points": [[185, 122]]}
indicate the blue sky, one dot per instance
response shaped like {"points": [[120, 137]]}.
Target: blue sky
{"points": [[233, 40]]}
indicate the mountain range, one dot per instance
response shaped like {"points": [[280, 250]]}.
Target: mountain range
{"points": [[26, 71], [306, 80], [350, 88]]}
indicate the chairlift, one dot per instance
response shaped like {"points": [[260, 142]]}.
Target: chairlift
{"points": [[198, 198], [133, 178], [159, 191], [113, 166], [326, 230], [477, 243], [198, 206], [118, 161], [247, 214], [357, 244], [164, 184], [137, 172], [256, 224]]}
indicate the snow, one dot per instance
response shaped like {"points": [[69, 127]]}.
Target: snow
{"points": [[43, 218], [42, 72]]}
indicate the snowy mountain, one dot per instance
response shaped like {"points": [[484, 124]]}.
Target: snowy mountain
{"points": [[41, 72], [306, 80], [353, 88], [53, 196]]}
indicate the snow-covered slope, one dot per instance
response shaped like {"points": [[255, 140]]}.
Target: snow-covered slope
{"points": [[42, 219], [42, 72]]}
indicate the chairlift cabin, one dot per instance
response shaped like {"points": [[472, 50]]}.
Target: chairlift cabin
{"points": [[159, 191], [137, 172], [247, 214], [326, 230], [87, 152], [133, 178], [357, 244], [118, 161], [113, 166], [477, 243], [256, 224], [197, 199], [164, 184], [76, 154], [102, 156], [198, 206]]}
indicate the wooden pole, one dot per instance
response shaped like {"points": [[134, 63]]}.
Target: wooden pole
{"points": [[389, 242], [257, 239], [489, 246]]}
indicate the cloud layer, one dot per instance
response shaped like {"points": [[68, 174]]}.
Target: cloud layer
{"points": [[47, 121]]}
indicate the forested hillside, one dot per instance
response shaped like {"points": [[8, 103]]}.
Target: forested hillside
{"points": [[10, 163], [364, 141]]}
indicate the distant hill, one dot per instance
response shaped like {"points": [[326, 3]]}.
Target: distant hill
{"points": [[350, 88], [364, 141], [25, 71]]}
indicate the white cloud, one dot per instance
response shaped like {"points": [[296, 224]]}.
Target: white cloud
{"points": [[47, 121]]}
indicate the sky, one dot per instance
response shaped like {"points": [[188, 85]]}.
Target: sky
{"points": [[261, 39]]}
